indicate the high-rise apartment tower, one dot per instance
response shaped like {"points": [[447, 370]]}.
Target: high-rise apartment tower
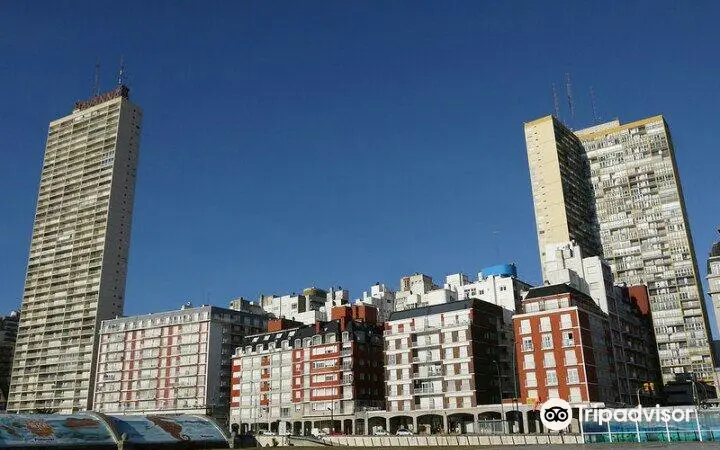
{"points": [[562, 193], [78, 253], [638, 206]]}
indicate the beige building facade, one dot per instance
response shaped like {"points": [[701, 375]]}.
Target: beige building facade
{"points": [[562, 193], [78, 253]]}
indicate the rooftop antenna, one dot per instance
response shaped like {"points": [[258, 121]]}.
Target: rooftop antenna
{"points": [[496, 235], [593, 102], [556, 104], [568, 86], [96, 79], [121, 71]]}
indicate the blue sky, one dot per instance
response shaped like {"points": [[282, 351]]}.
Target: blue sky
{"points": [[289, 144]]}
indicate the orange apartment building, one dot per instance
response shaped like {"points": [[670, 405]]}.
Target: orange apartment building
{"points": [[563, 347]]}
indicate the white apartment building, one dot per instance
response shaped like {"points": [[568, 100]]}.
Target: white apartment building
{"points": [[171, 362], [382, 298], [78, 253], [419, 290], [498, 285], [312, 305], [444, 356]]}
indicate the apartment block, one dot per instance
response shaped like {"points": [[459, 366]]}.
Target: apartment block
{"points": [[312, 305], [646, 237], [8, 336], [498, 285], [78, 252], [638, 210], [713, 280], [562, 192], [563, 347], [418, 290], [382, 298], [446, 356], [171, 362], [288, 379], [631, 332]]}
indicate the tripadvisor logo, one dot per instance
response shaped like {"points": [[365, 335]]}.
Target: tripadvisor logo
{"points": [[556, 414]]}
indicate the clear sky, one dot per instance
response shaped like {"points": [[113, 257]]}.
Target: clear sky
{"points": [[298, 143]]}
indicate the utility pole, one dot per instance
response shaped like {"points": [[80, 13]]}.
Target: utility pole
{"points": [[502, 408]]}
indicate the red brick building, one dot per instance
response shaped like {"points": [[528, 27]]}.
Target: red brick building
{"points": [[307, 376], [563, 348]]}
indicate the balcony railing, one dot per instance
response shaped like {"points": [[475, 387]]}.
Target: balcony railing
{"points": [[426, 390]]}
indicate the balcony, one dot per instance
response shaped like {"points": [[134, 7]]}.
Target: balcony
{"points": [[425, 343], [425, 359], [426, 390]]}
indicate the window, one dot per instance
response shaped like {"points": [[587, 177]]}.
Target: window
{"points": [[527, 344], [575, 395], [551, 378], [547, 342], [532, 393], [568, 339], [553, 393], [565, 321], [549, 359], [525, 326], [529, 362], [572, 376], [530, 380], [503, 288], [545, 324], [570, 358]]}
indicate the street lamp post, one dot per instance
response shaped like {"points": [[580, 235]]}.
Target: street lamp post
{"points": [[502, 408], [638, 396], [332, 416]]}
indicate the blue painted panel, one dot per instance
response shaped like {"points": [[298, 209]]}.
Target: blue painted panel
{"points": [[166, 429], [49, 430], [500, 270]]}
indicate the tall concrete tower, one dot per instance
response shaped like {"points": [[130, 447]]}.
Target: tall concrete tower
{"points": [[78, 253], [713, 278], [561, 188], [637, 209]]}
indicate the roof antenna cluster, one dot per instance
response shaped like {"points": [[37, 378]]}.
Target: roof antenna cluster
{"points": [[121, 71], [568, 87], [96, 80], [596, 117]]}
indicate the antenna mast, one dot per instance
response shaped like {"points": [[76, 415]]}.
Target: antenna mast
{"points": [[121, 71], [596, 118], [568, 86], [96, 80], [556, 104]]}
